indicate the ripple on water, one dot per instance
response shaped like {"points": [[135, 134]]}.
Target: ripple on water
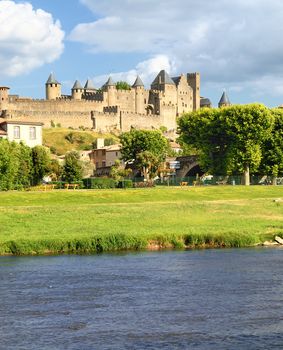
{"points": [[213, 299]]}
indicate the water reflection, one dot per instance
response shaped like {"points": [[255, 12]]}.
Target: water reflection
{"points": [[211, 299]]}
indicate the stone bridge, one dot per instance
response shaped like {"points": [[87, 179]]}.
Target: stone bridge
{"points": [[189, 166]]}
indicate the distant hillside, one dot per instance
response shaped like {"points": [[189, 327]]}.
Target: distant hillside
{"points": [[60, 140]]}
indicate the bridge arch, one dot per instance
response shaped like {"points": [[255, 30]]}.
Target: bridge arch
{"points": [[190, 170]]}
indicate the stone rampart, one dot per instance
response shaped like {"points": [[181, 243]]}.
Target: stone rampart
{"points": [[140, 121], [65, 119], [61, 105]]}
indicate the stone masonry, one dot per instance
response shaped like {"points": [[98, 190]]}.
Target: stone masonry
{"points": [[108, 108]]}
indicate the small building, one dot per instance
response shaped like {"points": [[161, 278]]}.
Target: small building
{"points": [[205, 102], [16, 130], [105, 156]]}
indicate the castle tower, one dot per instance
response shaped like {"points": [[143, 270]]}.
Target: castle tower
{"points": [[53, 88], [77, 91], [110, 88], [224, 100], [4, 97], [166, 101], [162, 82], [89, 87], [139, 96], [194, 82]]}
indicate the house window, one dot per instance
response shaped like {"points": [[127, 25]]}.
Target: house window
{"points": [[16, 132], [103, 163], [32, 133]]}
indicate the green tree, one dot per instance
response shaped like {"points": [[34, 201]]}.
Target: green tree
{"points": [[15, 165], [9, 164], [55, 170], [72, 169], [25, 166], [149, 164], [122, 85], [204, 131], [118, 172], [230, 139], [272, 159], [147, 149], [40, 163]]}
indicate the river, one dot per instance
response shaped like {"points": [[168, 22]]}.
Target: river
{"points": [[198, 299]]}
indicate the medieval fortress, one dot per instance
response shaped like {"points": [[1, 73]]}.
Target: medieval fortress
{"points": [[108, 108]]}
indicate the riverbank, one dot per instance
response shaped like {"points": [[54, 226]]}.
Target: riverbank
{"points": [[88, 221]]}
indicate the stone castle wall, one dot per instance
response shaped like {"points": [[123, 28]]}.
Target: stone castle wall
{"points": [[65, 119], [108, 109], [126, 100], [61, 105], [124, 121], [60, 112], [141, 121]]}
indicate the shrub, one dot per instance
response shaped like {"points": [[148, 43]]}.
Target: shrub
{"points": [[125, 184], [109, 141], [92, 182], [53, 150], [70, 137]]}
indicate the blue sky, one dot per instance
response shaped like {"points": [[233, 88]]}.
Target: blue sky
{"points": [[236, 46]]}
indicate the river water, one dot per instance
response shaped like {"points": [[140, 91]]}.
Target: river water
{"points": [[202, 299]]}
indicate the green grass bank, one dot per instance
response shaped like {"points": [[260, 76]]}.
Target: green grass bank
{"points": [[88, 221]]}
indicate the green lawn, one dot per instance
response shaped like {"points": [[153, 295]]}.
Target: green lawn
{"points": [[107, 220]]}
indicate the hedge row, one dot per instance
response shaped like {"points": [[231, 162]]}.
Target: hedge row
{"points": [[94, 183]]}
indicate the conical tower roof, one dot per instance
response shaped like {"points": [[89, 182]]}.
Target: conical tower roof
{"points": [[77, 85], [109, 82], [163, 78], [224, 100], [138, 82], [52, 80], [89, 85]]}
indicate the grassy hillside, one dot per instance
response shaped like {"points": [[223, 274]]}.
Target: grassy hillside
{"points": [[77, 221], [62, 140]]}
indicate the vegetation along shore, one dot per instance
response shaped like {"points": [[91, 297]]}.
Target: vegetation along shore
{"points": [[90, 221]]}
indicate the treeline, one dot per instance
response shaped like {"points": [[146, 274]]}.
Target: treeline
{"points": [[241, 139], [22, 167]]}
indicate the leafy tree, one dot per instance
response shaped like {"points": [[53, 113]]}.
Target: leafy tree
{"points": [[147, 149], [272, 149], [24, 174], [122, 85], [40, 163], [72, 169], [15, 165], [149, 164], [229, 139], [9, 164], [204, 131], [118, 172], [55, 170]]}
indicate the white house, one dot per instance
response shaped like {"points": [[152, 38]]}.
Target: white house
{"points": [[17, 130]]}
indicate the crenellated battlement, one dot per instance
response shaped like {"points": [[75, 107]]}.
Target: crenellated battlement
{"points": [[109, 107]]}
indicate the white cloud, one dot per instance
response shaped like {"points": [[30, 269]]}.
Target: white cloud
{"points": [[147, 70], [28, 38], [232, 43]]}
